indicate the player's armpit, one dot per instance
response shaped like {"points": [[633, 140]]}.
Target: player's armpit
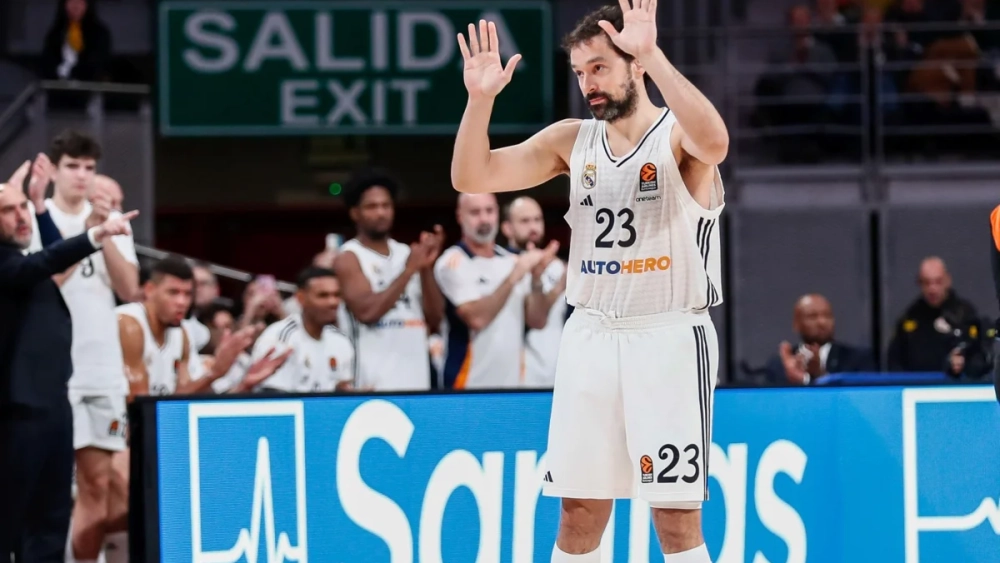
{"points": [[525, 165], [699, 177], [133, 341]]}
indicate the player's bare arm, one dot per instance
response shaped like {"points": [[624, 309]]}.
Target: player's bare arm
{"points": [[261, 370], [185, 386], [433, 304], [367, 305], [124, 275], [538, 303], [478, 314], [701, 140], [477, 169], [133, 342]]}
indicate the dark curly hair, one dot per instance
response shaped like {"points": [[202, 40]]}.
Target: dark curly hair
{"points": [[364, 180]]}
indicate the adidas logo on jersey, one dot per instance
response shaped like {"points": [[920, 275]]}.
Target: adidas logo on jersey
{"points": [[587, 202]]}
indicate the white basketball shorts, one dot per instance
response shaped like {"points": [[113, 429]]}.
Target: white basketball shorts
{"points": [[99, 421], [632, 409]]}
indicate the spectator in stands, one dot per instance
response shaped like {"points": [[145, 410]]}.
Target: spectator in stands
{"points": [[490, 297], [78, 45], [939, 331], [262, 303], [817, 353], [795, 90], [221, 323], [524, 227], [206, 286], [391, 298], [321, 357], [834, 30]]}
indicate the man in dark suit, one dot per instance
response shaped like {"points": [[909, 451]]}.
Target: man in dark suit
{"points": [[36, 424], [818, 353]]}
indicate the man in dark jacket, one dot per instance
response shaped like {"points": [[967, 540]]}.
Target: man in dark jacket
{"points": [[939, 331], [36, 424], [818, 353]]}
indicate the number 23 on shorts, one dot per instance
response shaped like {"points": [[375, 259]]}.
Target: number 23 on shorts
{"points": [[671, 455]]}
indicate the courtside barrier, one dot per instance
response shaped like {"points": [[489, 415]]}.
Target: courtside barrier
{"points": [[885, 474]]}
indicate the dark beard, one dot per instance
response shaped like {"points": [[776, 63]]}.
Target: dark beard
{"points": [[376, 235], [613, 110]]}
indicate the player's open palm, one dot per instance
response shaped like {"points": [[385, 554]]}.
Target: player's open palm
{"points": [[638, 34], [485, 74], [263, 369]]}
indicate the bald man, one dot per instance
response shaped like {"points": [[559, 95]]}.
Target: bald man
{"points": [[490, 295], [817, 353], [109, 189], [524, 225], [938, 331]]}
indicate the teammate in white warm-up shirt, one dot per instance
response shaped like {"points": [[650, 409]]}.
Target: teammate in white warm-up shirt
{"points": [[97, 388], [491, 294], [523, 225], [321, 358], [391, 301], [631, 410], [156, 347]]}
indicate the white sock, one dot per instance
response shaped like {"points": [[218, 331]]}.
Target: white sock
{"points": [[116, 547], [559, 556], [696, 555]]}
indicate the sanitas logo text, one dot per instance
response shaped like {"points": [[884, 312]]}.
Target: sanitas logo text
{"points": [[614, 267]]}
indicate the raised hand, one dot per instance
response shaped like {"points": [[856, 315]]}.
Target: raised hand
{"points": [[100, 208], [41, 175], [638, 35], [485, 75], [16, 180], [115, 226], [548, 255], [262, 369]]}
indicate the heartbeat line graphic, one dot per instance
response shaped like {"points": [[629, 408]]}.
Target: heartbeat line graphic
{"points": [[988, 511], [248, 541]]}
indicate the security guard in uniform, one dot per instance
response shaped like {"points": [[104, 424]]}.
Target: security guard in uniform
{"points": [[939, 331]]}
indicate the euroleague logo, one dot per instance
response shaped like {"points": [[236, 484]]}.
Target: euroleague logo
{"points": [[647, 177], [646, 467]]}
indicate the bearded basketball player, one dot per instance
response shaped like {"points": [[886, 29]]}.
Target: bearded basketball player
{"points": [[631, 412]]}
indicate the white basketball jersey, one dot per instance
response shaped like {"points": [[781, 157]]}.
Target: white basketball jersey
{"points": [[97, 355], [641, 245], [161, 362], [392, 354]]}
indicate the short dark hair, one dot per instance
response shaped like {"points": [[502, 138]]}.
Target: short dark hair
{"points": [[364, 180], [311, 273], [587, 29], [174, 266], [74, 144], [206, 315]]}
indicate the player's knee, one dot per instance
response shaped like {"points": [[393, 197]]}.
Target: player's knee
{"points": [[678, 528], [93, 488], [584, 518]]}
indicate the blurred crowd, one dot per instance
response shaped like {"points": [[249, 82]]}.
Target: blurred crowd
{"points": [[893, 62]]}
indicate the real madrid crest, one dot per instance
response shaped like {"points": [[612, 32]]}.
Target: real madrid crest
{"points": [[589, 176]]}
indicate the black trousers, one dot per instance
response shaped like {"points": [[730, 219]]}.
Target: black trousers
{"points": [[36, 474]]}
